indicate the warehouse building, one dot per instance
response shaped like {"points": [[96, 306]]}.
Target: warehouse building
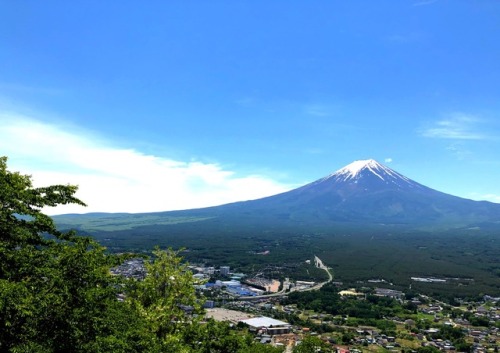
{"points": [[267, 324]]}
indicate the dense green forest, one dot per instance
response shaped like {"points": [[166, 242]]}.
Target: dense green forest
{"points": [[57, 294], [466, 257]]}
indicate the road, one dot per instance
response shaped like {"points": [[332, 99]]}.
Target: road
{"points": [[317, 262]]}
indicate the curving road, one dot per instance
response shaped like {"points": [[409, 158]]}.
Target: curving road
{"points": [[318, 263]]}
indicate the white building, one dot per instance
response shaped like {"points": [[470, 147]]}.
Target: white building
{"points": [[270, 325], [224, 270]]}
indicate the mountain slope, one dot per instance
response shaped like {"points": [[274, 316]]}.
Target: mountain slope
{"points": [[365, 192]]}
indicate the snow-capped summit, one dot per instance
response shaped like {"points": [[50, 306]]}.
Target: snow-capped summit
{"points": [[370, 171], [354, 169]]}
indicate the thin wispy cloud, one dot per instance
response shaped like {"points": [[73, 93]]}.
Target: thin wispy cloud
{"points": [[246, 101], [113, 179], [388, 160], [485, 197], [456, 127], [491, 197], [459, 150], [317, 110]]}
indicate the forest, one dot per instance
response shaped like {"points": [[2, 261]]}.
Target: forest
{"points": [[465, 258]]}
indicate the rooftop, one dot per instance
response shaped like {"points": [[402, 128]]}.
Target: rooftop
{"points": [[264, 321]]}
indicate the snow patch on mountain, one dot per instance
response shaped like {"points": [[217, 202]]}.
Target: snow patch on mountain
{"points": [[354, 171]]}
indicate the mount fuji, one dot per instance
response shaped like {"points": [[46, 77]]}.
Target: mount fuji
{"points": [[364, 192]]}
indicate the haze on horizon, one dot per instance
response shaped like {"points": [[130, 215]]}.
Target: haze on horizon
{"points": [[172, 105]]}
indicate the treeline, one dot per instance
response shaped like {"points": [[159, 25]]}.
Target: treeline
{"points": [[57, 294], [370, 310], [327, 300]]}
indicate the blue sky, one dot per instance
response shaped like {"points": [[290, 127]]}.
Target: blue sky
{"points": [[158, 105]]}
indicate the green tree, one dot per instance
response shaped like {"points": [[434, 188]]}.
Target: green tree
{"points": [[428, 349], [166, 298], [56, 294], [167, 302], [216, 337], [312, 344], [261, 348]]}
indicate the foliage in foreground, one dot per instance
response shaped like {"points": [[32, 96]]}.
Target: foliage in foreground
{"points": [[57, 294], [313, 344]]}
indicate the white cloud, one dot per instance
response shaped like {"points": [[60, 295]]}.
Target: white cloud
{"points": [[388, 160], [485, 197], [456, 127], [492, 198], [113, 179]]}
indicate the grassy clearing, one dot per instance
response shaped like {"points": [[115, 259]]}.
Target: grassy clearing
{"points": [[121, 222]]}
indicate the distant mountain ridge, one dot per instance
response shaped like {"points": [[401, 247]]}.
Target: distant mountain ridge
{"points": [[363, 192]]}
